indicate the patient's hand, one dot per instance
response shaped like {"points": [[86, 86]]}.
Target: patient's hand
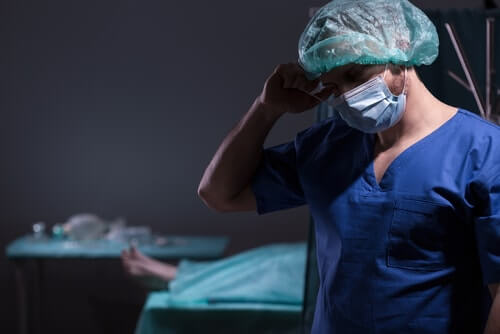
{"points": [[139, 265]]}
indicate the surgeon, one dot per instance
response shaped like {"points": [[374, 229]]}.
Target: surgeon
{"points": [[404, 190]]}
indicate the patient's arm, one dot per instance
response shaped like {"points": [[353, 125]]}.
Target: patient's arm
{"points": [[139, 265]]}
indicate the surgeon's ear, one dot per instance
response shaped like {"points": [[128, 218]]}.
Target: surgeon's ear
{"points": [[396, 69], [396, 82]]}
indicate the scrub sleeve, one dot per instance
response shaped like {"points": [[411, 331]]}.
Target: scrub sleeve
{"points": [[276, 183]]}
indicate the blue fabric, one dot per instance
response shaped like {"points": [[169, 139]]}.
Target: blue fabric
{"points": [[412, 254]]}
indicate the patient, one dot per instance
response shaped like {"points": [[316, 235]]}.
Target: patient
{"points": [[267, 274], [139, 265]]}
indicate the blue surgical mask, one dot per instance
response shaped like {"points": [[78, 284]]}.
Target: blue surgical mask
{"points": [[371, 107]]}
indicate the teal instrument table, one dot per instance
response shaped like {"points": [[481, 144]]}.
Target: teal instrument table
{"points": [[37, 250], [176, 247]]}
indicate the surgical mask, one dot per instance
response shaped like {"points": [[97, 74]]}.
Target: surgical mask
{"points": [[371, 107]]}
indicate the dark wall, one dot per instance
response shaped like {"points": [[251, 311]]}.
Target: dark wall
{"points": [[115, 108]]}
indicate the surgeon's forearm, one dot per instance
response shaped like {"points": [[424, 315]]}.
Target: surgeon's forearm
{"points": [[238, 157], [493, 324]]}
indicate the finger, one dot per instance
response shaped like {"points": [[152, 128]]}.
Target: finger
{"points": [[295, 66], [326, 93], [322, 92], [301, 81], [125, 260], [289, 73], [127, 269], [275, 80], [289, 79], [318, 89], [313, 86], [133, 250], [292, 76], [308, 95], [304, 73]]}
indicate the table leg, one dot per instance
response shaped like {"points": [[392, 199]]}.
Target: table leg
{"points": [[21, 298], [37, 296]]}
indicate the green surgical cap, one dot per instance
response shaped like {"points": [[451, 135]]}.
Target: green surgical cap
{"points": [[367, 32]]}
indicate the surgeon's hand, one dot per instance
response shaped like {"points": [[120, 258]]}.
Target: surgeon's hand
{"points": [[286, 90]]}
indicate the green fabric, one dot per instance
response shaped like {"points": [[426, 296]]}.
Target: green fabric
{"points": [[252, 292], [158, 317], [272, 273], [181, 247], [367, 32]]}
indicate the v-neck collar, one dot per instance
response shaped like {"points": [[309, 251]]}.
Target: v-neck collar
{"points": [[386, 180]]}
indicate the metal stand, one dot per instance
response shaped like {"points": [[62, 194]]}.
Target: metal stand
{"points": [[37, 296], [485, 106], [29, 305], [22, 297]]}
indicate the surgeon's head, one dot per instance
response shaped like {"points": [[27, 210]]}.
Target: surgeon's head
{"points": [[366, 50]]}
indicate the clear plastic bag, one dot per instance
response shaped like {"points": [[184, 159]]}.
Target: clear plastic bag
{"points": [[85, 227]]}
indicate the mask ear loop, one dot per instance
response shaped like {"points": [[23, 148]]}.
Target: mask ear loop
{"points": [[406, 79], [385, 70]]}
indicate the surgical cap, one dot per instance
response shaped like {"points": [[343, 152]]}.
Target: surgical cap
{"points": [[367, 32]]}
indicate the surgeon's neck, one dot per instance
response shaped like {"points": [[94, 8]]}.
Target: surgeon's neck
{"points": [[423, 114]]}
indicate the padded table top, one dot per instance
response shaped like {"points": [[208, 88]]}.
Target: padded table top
{"points": [[158, 316], [176, 247]]}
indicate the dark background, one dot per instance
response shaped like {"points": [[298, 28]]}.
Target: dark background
{"points": [[116, 108]]}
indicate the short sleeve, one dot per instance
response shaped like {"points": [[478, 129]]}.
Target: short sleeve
{"points": [[487, 226], [276, 183]]}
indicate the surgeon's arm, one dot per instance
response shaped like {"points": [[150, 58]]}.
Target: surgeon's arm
{"points": [[226, 183], [493, 324]]}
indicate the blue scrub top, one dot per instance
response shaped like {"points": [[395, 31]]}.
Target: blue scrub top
{"points": [[412, 254]]}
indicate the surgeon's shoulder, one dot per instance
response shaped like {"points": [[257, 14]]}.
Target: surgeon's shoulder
{"points": [[321, 133], [476, 126], [482, 139]]}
